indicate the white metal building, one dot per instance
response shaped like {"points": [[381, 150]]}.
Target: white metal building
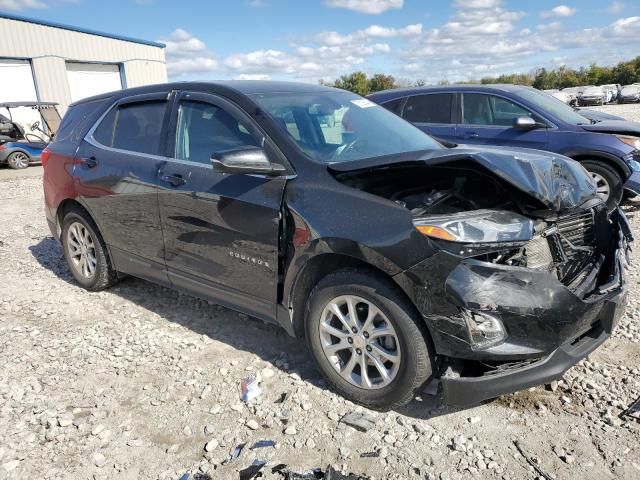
{"points": [[58, 63]]}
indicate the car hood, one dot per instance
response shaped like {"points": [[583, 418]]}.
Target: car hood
{"points": [[614, 126], [557, 182]]}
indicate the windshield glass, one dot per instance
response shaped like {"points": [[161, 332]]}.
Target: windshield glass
{"points": [[549, 104], [341, 126]]}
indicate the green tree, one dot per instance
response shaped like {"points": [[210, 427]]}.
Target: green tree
{"points": [[380, 81], [356, 82]]}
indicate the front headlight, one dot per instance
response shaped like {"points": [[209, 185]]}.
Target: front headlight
{"points": [[479, 226], [631, 141]]}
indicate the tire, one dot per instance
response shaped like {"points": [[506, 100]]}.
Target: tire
{"points": [[75, 241], [18, 160], [415, 360], [607, 178]]}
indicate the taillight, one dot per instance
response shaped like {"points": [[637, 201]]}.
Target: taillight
{"points": [[44, 156], [2, 147]]}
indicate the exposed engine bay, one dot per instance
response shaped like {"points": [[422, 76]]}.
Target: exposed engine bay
{"points": [[571, 246]]}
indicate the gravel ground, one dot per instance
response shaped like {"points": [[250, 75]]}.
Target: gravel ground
{"points": [[142, 382]]}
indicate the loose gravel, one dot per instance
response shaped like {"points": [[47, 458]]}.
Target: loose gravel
{"points": [[142, 382]]}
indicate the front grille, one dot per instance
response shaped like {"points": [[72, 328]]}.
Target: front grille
{"points": [[577, 231]]}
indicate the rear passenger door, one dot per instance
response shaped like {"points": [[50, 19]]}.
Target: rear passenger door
{"points": [[432, 113], [489, 120], [221, 230], [116, 177]]}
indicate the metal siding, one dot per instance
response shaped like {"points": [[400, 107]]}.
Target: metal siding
{"points": [[49, 48]]}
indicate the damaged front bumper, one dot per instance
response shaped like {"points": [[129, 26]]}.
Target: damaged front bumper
{"points": [[549, 326]]}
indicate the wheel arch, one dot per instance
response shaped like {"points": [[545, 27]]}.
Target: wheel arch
{"points": [[623, 170], [321, 265]]}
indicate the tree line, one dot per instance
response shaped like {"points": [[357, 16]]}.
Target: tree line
{"points": [[623, 73]]}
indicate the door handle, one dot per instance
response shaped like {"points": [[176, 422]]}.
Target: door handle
{"points": [[470, 135], [90, 162], [174, 180]]}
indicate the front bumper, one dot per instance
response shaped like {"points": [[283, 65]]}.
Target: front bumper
{"points": [[633, 183], [550, 327]]}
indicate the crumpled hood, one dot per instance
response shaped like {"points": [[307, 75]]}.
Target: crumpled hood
{"points": [[614, 126], [556, 181]]}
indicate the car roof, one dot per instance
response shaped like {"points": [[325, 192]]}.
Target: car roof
{"points": [[494, 87], [243, 87]]}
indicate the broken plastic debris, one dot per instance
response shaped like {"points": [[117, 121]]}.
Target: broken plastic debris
{"points": [[263, 444], [633, 411], [316, 473], [235, 454], [282, 398], [250, 388], [358, 420], [369, 454], [253, 470]]}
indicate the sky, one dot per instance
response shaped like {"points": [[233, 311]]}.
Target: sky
{"points": [[312, 40]]}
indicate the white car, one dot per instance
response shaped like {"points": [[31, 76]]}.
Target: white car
{"points": [[592, 96], [560, 95]]}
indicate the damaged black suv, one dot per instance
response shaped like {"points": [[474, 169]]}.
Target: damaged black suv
{"points": [[398, 259]]}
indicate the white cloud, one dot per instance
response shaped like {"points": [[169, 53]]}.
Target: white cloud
{"points": [[625, 27], [186, 54], [616, 7], [21, 4], [373, 7], [473, 4], [252, 76], [559, 11], [386, 32]]}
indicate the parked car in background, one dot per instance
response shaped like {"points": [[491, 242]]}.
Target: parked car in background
{"points": [[564, 97], [630, 94], [611, 92], [592, 96], [396, 259], [20, 148], [518, 116], [572, 93]]}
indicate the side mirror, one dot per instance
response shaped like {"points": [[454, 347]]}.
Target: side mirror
{"points": [[245, 160], [35, 126], [525, 123]]}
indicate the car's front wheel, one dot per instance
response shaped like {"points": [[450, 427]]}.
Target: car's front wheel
{"points": [[366, 339], [85, 252], [609, 184], [18, 160]]}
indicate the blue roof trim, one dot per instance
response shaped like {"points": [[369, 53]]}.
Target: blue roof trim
{"points": [[81, 30]]}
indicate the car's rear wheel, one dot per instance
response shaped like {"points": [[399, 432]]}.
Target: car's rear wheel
{"points": [[609, 184], [18, 160], [366, 341], [85, 252]]}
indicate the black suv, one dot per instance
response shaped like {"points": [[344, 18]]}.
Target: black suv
{"points": [[399, 260]]}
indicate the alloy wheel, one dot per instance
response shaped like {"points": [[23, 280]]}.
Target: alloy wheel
{"points": [[360, 342], [81, 249], [19, 160], [603, 189]]}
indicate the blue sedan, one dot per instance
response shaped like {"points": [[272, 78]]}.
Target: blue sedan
{"points": [[518, 116]]}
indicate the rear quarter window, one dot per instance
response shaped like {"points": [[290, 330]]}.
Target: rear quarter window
{"points": [[78, 120]]}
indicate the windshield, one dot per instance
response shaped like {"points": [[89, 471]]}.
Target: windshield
{"points": [[551, 105], [341, 126]]}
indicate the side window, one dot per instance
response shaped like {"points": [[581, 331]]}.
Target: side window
{"points": [[204, 129], [480, 109], [134, 127], [431, 108], [393, 105]]}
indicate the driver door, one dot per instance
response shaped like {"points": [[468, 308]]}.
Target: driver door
{"points": [[221, 230], [488, 120]]}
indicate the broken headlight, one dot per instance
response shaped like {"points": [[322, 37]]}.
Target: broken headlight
{"points": [[478, 226]]}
